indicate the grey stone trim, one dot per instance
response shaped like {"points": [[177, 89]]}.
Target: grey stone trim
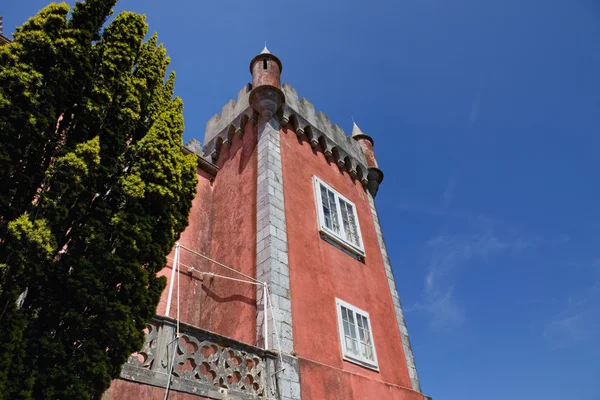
{"points": [[410, 361], [272, 265], [287, 383], [229, 113]]}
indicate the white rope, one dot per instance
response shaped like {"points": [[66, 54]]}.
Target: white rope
{"points": [[175, 266], [178, 290], [222, 265], [171, 282], [276, 331], [190, 269], [170, 368], [266, 295], [266, 316]]}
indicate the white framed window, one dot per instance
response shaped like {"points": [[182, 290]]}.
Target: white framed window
{"points": [[356, 335], [337, 217]]}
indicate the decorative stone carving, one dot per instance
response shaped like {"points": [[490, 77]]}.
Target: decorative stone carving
{"points": [[224, 367], [205, 363], [145, 357]]}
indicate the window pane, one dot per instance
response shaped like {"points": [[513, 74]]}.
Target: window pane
{"points": [[329, 209], [355, 347], [346, 329], [351, 321], [325, 204], [365, 338], [353, 237], [365, 323], [351, 343], [348, 344], [349, 222], [334, 216]]}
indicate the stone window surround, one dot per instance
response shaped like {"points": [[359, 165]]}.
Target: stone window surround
{"points": [[339, 239], [362, 361]]}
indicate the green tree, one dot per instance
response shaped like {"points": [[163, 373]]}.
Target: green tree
{"points": [[94, 192]]}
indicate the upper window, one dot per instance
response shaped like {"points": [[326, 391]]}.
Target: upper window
{"points": [[337, 217], [355, 335]]}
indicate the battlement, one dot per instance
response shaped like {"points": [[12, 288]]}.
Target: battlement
{"points": [[195, 147], [301, 115], [230, 111]]}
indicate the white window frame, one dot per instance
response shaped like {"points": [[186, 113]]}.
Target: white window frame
{"points": [[348, 356], [341, 237]]}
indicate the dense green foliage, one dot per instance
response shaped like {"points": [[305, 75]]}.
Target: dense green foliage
{"points": [[94, 191]]}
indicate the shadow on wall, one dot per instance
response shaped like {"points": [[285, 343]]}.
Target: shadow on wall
{"points": [[235, 297]]}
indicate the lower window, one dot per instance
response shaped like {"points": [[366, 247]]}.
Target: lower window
{"points": [[356, 335]]}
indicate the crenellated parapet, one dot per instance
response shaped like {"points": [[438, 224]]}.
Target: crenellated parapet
{"points": [[230, 112], [232, 120], [265, 99], [352, 154], [320, 132]]}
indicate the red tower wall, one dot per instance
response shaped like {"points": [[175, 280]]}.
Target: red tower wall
{"points": [[320, 272], [367, 149], [269, 76], [120, 390], [222, 225]]}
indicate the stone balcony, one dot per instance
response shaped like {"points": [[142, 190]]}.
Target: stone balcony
{"points": [[205, 364]]}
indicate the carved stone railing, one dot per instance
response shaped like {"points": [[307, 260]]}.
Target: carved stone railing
{"points": [[206, 364]]}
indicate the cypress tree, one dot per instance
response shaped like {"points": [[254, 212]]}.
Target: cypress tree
{"points": [[94, 192]]}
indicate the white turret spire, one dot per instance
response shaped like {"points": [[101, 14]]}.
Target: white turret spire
{"points": [[265, 50]]}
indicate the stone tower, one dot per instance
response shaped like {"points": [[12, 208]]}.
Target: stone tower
{"points": [[281, 286]]}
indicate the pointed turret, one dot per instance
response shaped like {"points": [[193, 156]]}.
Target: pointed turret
{"points": [[358, 134], [375, 175], [266, 96]]}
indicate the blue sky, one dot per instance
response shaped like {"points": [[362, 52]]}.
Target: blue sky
{"points": [[485, 116]]}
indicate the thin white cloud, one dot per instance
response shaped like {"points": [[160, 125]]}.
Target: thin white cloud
{"points": [[577, 321], [446, 256], [441, 306]]}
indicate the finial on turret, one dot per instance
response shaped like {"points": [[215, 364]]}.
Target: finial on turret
{"points": [[358, 134], [265, 50], [355, 129]]}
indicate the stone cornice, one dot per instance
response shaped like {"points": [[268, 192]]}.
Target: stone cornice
{"points": [[4, 40], [193, 146]]}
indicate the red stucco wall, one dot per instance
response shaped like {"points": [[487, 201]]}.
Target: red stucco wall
{"points": [[222, 225], [367, 149], [269, 76], [121, 390], [320, 272], [321, 382]]}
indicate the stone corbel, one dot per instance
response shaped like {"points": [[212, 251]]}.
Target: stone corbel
{"points": [[214, 156], [351, 167], [325, 146], [339, 158]]}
